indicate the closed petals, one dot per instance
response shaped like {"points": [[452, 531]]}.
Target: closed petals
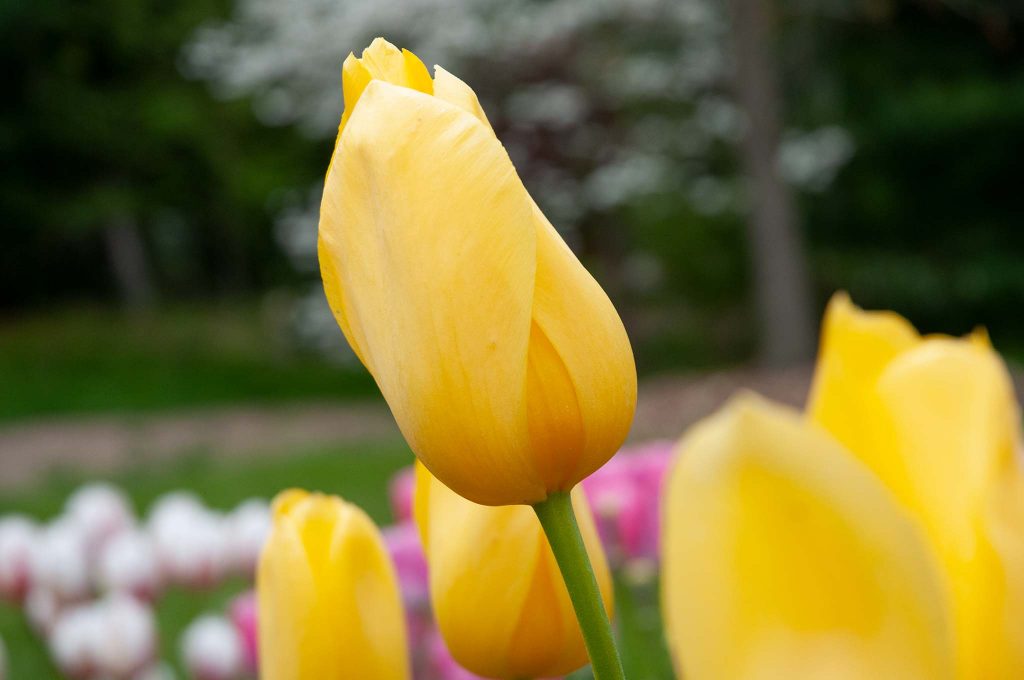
{"points": [[328, 599], [497, 594], [786, 558], [504, 363], [438, 297]]}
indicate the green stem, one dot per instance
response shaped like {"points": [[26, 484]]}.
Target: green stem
{"points": [[559, 521]]}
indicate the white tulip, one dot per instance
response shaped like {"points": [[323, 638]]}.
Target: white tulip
{"points": [[189, 539], [41, 609], [247, 529], [128, 563], [72, 642], [17, 535], [127, 637], [211, 649], [100, 511], [60, 561]]}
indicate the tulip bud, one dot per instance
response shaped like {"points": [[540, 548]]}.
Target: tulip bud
{"points": [[72, 643], [498, 595], [505, 365], [42, 610], [247, 527], [400, 490], [786, 558], [329, 604], [17, 535], [99, 511], [128, 563], [60, 561], [125, 635], [190, 540], [244, 615], [211, 649], [440, 662]]}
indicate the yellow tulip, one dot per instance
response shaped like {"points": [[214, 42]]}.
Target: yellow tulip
{"points": [[328, 597], [504, 363], [497, 594], [879, 536]]}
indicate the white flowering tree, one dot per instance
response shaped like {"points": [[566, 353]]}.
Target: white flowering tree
{"points": [[604, 105]]}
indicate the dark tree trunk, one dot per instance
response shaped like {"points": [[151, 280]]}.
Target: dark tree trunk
{"points": [[127, 254], [781, 284]]}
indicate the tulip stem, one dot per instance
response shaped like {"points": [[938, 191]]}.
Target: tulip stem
{"points": [[559, 521]]}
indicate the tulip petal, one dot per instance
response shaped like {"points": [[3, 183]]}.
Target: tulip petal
{"points": [[953, 420], [481, 562], [428, 183], [856, 346], [786, 558], [586, 379], [496, 590], [380, 61], [328, 599], [548, 641], [455, 91], [1005, 532]]}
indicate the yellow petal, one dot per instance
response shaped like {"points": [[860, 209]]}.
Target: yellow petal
{"points": [[454, 91], [786, 558], [435, 231], [953, 421], [1004, 524], [506, 366], [381, 61], [581, 386], [856, 346], [497, 594], [325, 577]]}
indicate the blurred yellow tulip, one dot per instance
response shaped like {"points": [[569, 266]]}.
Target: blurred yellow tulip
{"points": [[880, 536], [504, 363], [329, 606], [496, 590]]}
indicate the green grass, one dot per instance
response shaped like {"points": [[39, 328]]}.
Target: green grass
{"points": [[98, 360]]}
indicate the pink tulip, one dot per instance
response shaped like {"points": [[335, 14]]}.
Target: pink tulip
{"points": [[403, 543], [243, 613], [400, 491], [626, 499]]}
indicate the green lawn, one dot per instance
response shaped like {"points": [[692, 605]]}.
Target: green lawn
{"points": [[100, 360], [359, 473]]}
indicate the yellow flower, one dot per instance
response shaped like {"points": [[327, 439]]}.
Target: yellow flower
{"points": [[496, 590], [879, 536], [328, 598], [504, 363]]}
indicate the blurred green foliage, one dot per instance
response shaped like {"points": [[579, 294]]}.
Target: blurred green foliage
{"points": [[97, 360], [98, 127], [927, 218]]}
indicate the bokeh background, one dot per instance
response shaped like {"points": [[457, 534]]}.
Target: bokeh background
{"points": [[722, 167]]}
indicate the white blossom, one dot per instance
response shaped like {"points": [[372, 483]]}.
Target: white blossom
{"points": [[211, 649]]}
